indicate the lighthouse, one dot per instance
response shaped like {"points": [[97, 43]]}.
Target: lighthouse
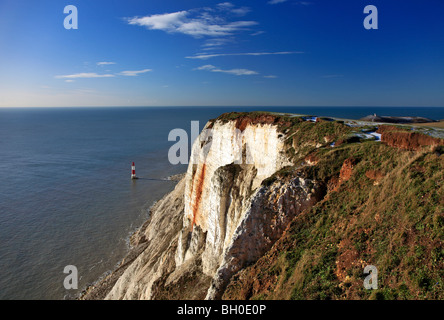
{"points": [[133, 172]]}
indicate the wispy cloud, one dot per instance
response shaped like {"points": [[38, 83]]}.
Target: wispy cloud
{"points": [[209, 56], [301, 3], [237, 72], [90, 75], [134, 73], [304, 3], [270, 76], [105, 63], [276, 1], [226, 5], [231, 8], [242, 11], [257, 33], [201, 22], [216, 43], [166, 22], [85, 76]]}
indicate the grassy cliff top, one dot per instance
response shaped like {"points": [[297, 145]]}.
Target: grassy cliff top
{"points": [[286, 121], [384, 207]]}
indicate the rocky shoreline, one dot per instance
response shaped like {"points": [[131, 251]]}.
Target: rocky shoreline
{"points": [[99, 289]]}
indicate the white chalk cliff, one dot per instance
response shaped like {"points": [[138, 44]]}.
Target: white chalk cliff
{"points": [[220, 217]]}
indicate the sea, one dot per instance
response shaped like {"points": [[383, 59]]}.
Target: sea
{"points": [[66, 197]]}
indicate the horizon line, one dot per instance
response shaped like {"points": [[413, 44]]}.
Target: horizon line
{"points": [[225, 106]]}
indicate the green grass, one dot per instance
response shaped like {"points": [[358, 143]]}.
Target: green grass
{"points": [[397, 226]]}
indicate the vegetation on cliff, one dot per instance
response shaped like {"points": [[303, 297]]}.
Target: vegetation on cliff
{"points": [[384, 206]]}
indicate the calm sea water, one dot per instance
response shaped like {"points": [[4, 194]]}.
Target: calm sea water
{"points": [[66, 197]]}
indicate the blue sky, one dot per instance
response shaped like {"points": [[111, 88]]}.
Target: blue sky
{"points": [[221, 53]]}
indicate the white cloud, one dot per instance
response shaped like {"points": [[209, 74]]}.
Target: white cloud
{"points": [[211, 44], [225, 5], [231, 8], [203, 22], [242, 11], [208, 56], [276, 1], [105, 63], [134, 73], [71, 77], [206, 67], [304, 3], [271, 77], [167, 22], [237, 72], [85, 76]]}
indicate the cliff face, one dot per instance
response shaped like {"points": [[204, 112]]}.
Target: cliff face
{"points": [[220, 218], [221, 195], [254, 184]]}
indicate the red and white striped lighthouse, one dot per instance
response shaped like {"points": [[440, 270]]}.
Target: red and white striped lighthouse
{"points": [[133, 171]]}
